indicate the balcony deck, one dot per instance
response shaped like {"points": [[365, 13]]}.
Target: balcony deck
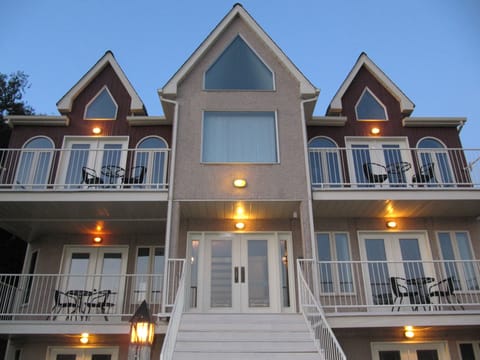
{"points": [[50, 299], [349, 290]]}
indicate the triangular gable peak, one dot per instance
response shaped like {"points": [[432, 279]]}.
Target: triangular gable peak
{"points": [[136, 106], [335, 107], [170, 88]]}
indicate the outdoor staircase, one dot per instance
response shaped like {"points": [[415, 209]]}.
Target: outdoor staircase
{"points": [[244, 336]]}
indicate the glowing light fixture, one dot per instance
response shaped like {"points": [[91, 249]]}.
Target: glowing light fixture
{"points": [[142, 326], [97, 130], [391, 224], [84, 338], [240, 183], [240, 225], [97, 239], [409, 333], [375, 131]]}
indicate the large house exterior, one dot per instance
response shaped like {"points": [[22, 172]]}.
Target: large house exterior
{"points": [[308, 233]]}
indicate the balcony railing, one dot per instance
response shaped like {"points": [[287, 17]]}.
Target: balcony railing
{"points": [[385, 286], [393, 167], [83, 169], [93, 298]]}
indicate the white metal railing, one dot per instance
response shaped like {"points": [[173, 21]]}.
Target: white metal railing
{"points": [[175, 317], [367, 286], [392, 166], [83, 169], [327, 344], [62, 297]]}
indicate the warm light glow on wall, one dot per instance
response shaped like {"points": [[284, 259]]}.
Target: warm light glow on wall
{"points": [[239, 225], [97, 130], [409, 332], [375, 131], [391, 224], [240, 183]]}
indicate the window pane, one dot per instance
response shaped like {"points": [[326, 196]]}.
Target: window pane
{"points": [[378, 270], [411, 251], [221, 274], [102, 107], [66, 357], [368, 108], [466, 351], [239, 137], [238, 68], [344, 269], [389, 355], [427, 355], [324, 254], [101, 357]]}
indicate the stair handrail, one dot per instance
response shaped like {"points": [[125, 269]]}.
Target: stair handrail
{"points": [[174, 322], [327, 344]]}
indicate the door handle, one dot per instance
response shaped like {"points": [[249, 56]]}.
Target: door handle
{"points": [[242, 274], [235, 274]]}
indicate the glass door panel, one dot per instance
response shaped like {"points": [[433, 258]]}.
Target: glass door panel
{"points": [[258, 280], [221, 274]]}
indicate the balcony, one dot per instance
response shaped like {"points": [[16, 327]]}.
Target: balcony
{"points": [[394, 168], [84, 169], [71, 299], [386, 288]]}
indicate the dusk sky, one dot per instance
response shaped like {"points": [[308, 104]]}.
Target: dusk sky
{"points": [[429, 48]]}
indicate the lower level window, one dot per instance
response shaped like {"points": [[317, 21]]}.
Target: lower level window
{"points": [[239, 137], [469, 350]]}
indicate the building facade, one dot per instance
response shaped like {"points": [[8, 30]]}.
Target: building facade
{"points": [[238, 200]]}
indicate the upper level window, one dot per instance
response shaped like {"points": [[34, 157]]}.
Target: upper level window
{"points": [[239, 136], [102, 107], [238, 68], [33, 170], [369, 107], [324, 159]]}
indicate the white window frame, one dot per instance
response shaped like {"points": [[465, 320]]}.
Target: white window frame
{"points": [[476, 348]]}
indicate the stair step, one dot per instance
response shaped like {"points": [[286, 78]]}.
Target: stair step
{"points": [[244, 336]]}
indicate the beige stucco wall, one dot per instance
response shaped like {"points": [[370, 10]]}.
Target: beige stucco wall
{"points": [[286, 180]]}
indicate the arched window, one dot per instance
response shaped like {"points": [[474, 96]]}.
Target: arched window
{"points": [[151, 159], [369, 107], [324, 158], [35, 163], [434, 162]]}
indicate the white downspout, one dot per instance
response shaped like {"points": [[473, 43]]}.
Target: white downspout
{"points": [[309, 183], [168, 229]]}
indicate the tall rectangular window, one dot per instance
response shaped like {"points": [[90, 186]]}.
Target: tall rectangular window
{"points": [[334, 256], [239, 137], [456, 249]]}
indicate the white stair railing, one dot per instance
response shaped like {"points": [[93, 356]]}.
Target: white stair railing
{"points": [[175, 318], [326, 342]]}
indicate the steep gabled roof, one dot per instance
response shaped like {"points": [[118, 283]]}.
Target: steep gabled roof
{"points": [[64, 105], [335, 107], [170, 88]]}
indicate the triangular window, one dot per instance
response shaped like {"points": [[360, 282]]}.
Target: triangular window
{"points": [[238, 68], [102, 107], [369, 107]]}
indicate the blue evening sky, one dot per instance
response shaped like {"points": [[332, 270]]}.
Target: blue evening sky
{"points": [[429, 48]]}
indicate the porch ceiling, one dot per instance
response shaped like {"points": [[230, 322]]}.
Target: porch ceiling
{"points": [[33, 214], [381, 204], [228, 210]]}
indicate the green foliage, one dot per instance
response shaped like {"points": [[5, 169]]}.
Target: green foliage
{"points": [[12, 90]]}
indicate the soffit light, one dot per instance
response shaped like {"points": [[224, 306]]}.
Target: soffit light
{"points": [[375, 131], [391, 224], [97, 130], [409, 333], [97, 239], [240, 225], [84, 338], [240, 183]]}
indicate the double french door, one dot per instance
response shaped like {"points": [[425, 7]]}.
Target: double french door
{"points": [[240, 272], [95, 153]]}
